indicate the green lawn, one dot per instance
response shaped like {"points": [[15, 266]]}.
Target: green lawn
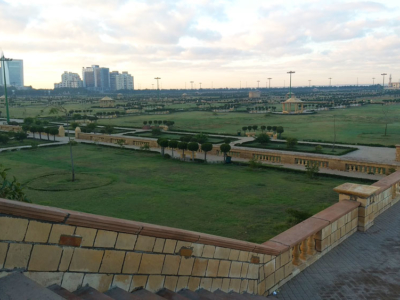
{"points": [[27, 142], [301, 147], [226, 200], [175, 136], [364, 125]]}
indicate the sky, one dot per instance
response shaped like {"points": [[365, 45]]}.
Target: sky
{"points": [[214, 42]]}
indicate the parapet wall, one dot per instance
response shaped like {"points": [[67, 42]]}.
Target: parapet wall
{"points": [[12, 128], [57, 246], [105, 138]]}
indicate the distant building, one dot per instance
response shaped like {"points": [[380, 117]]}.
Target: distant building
{"points": [[69, 80], [254, 94], [107, 102], [96, 78], [393, 85], [14, 73], [122, 81]]}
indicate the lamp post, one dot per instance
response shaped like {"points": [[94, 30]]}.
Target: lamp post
{"points": [[383, 84], [269, 83], [330, 81], [3, 60], [200, 85], [373, 80], [309, 83], [258, 84], [290, 87], [192, 84], [158, 89]]}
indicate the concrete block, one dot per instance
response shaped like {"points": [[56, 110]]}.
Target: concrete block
{"points": [[138, 281], [126, 241], [45, 278], [183, 282], [155, 283], [169, 246], [244, 256], [223, 269], [72, 281], [205, 283], [253, 271], [86, 260], [145, 243], [65, 259], [221, 253], [171, 282], [12, 229], [200, 267], [159, 245], [243, 286], [245, 268], [235, 285], [57, 230], [194, 283], [112, 261], [38, 232], [45, 258], [234, 254], [197, 249], [151, 263], [225, 284], [216, 284], [122, 281], [186, 266], [18, 256], [212, 268], [208, 251], [171, 265], [131, 263], [236, 267], [87, 234], [105, 239]]}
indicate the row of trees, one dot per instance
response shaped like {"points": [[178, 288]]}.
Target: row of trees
{"points": [[190, 146], [275, 129], [159, 122], [40, 129]]}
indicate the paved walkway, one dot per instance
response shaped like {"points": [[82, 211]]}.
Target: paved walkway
{"points": [[365, 266]]}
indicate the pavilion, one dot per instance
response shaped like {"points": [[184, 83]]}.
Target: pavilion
{"points": [[297, 103]]}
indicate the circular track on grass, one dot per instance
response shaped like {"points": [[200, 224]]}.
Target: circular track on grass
{"points": [[61, 182]]}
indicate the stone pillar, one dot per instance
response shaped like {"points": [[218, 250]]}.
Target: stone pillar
{"points": [[365, 194], [77, 132], [61, 131], [397, 152]]}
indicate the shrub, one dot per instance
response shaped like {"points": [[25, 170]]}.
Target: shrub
{"points": [[318, 148], [291, 143], [166, 155], [10, 189], [312, 169], [263, 138], [156, 131]]}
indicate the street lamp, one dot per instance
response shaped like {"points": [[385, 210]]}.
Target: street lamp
{"points": [[158, 90], [269, 79], [373, 80], [383, 84], [3, 60], [200, 85], [330, 81], [290, 88], [309, 83], [258, 84], [192, 84]]}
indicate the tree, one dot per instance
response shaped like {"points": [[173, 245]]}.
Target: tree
{"points": [[200, 138], [33, 129], [255, 127], [28, 121], [109, 129], [150, 122], [206, 147], [193, 146], [144, 123], [312, 169], [269, 128], [74, 125], [183, 146], [279, 130], [263, 127], [186, 138], [91, 127], [121, 143], [274, 128], [249, 127], [10, 189], [4, 139], [225, 148], [20, 136], [156, 131], [40, 129], [47, 130], [173, 144], [54, 132], [162, 143], [291, 142], [263, 138], [244, 128]]}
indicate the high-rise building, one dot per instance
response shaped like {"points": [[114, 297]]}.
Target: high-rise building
{"points": [[14, 73], [122, 81], [69, 80], [96, 78]]}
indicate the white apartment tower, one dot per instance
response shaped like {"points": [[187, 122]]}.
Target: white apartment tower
{"points": [[122, 81], [69, 80]]}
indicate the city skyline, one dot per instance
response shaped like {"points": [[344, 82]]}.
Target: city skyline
{"points": [[218, 43]]}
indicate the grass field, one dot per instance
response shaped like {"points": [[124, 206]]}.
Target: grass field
{"points": [[26, 142], [364, 125], [226, 200], [176, 136], [301, 147]]}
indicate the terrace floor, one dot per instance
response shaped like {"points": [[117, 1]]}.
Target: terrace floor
{"points": [[365, 266]]}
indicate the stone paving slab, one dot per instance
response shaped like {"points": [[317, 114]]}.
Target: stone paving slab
{"points": [[365, 266]]}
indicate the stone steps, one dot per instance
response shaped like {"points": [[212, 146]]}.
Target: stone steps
{"points": [[16, 286]]}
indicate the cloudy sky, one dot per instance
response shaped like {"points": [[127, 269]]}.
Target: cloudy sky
{"points": [[210, 41]]}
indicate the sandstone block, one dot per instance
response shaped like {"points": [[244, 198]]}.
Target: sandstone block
{"points": [[18, 256], [221, 253], [57, 230], [170, 282], [225, 284], [155, 283], [151, 264], [269, 282], [132, 262], [216, 284], [269, 268], [126, 241], [194, 283], [138, 281], [334, 226], [45, 258], [45, 278], [322, 245], [279, 274], [245, 268], [86, 260], [186, 266], [169, 246], [122, 281], [100, 282], [205, 283], [288, 270], [159, 245], [212, 268], [182, 282], [199, 267], [145, 243], [267, 258], [234, 254], [244, 256], [112, 261], [3, 252], [12, 229], [181, 244], [87, 234], [171, 265], [285, 257], [244, 285], [38, 232], [223, 269], [65, 259], [208, 251], [105, 239], [261, 288], [236, 267], [253, 271], [235, 285], [197, 249], [72, 281]]}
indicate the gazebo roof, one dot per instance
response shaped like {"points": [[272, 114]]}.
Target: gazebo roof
{"points": [[293, 100], [106, 99]]}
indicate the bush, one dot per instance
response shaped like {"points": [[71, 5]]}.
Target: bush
{"points": [[312, 169], [156, 131], [263, 138], [291, 142], [318, 148], [10, 189], [255, 164], [166, 155]]}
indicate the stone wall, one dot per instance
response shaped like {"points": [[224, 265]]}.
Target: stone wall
{"points": [[71, 249], [12, 128], [105, 138], [397, 152]]}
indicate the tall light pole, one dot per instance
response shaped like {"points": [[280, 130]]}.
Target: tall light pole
{"points": [[3, 60], [309, 83], [373, 80], [158, 89], [383, 84], [290, 88], [330, 81], [258, 84], [200, 85], [269, 84], [192, 84], [240, 84]]}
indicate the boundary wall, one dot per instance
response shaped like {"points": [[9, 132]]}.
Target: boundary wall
{"points": [[69, 248]]}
